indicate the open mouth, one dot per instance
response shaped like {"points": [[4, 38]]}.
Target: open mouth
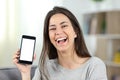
{"points": [[61, 40]]}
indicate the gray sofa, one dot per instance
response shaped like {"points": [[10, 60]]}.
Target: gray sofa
{"points": [[13, 73]]}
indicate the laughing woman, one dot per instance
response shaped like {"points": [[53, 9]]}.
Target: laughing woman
{"points": [[64, 54]]}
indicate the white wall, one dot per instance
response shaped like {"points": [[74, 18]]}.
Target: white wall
{"points": [[18, 17]]}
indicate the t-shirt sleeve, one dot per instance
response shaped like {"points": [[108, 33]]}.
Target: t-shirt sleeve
{"points": [[37, 75], [98, 70]]}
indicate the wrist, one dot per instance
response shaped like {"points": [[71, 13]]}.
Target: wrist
{"points": [[26, 76]]}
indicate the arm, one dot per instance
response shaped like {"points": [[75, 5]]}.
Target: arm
{"points": [[24, 69], [26, 76], [98, 70]]}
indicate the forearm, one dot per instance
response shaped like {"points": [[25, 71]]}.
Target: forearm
{"points": [[26, 76]]}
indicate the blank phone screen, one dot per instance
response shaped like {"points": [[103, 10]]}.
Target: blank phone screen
{"points": [[27, 49]]}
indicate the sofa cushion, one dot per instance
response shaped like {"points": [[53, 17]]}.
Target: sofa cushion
{"points": [[13, 73]]}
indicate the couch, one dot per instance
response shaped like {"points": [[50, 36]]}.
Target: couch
{"points": [[13, 73]]}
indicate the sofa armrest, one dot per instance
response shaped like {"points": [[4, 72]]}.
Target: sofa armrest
{"points": [[13, 73]]}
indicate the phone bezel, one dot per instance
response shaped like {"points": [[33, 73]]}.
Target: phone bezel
{"points": [[27, 37]]}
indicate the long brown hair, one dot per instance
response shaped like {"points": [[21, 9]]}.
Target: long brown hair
{"points": [[49, 51]]}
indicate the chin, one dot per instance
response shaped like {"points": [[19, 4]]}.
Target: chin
{"points": [[62, 49]]}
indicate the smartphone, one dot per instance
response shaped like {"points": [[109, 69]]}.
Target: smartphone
{"points": [[27, 49]]}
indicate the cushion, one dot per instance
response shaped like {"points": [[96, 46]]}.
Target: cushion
{"points": [[13, 73]]}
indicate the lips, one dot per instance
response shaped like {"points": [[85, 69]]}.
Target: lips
{"points": [[61, 40]]}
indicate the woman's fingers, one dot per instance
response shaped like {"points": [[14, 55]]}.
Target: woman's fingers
{"points": [[18, 52], [15, 61], [34, 57], [16, 57]]}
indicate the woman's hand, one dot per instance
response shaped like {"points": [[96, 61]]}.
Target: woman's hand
{"points": [[23, 68]]}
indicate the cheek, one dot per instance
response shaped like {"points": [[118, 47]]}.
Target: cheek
{"points": [[51, 36], [72, 33]]}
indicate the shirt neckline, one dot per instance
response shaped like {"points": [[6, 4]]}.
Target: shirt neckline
{"points": [[60, 67]]}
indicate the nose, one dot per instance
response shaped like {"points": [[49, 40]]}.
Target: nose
{"points": [[58, 31]]}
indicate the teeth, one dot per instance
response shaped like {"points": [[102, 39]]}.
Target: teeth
{"points": [[60, 39]]}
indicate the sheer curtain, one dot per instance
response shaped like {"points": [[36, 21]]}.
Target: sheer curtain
{"points": [[7, 31], [18, 17]]}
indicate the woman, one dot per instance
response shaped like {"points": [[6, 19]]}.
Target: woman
{"points": [[64, 55]]}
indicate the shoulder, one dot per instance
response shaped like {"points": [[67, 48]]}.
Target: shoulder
{"points": [[96, 61], [96, 67], [95, 64]]}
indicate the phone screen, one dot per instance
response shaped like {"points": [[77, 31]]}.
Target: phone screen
{"points": [[27, 49]]}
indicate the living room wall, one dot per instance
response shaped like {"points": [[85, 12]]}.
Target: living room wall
{"points": [[18, 17]]}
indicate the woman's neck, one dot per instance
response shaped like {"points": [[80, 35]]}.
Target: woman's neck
{"points": [[69, 59]]}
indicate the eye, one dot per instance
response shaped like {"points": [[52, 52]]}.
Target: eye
{"points": [[53, 28], [63, 26]]}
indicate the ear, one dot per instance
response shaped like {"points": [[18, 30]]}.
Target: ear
{"points": [[75, 36]]}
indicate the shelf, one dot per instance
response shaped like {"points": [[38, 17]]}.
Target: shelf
{"points": [[102, 32], [112, 64], [105, 5], [113, 36], [105, 36]]}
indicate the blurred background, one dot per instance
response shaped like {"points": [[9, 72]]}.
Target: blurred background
{"points": [[99, 20]]}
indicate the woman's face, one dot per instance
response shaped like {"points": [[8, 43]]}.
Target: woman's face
{"points": [[61, 32]]}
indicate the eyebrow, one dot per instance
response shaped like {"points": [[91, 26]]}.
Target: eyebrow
{"points": [[63, 22], [52, 25], [60, 24]]}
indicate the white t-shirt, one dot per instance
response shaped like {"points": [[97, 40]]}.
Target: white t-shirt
{"points": [[93, 69]]}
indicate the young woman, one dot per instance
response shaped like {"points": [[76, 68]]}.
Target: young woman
{"points": [[64, 55]]}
